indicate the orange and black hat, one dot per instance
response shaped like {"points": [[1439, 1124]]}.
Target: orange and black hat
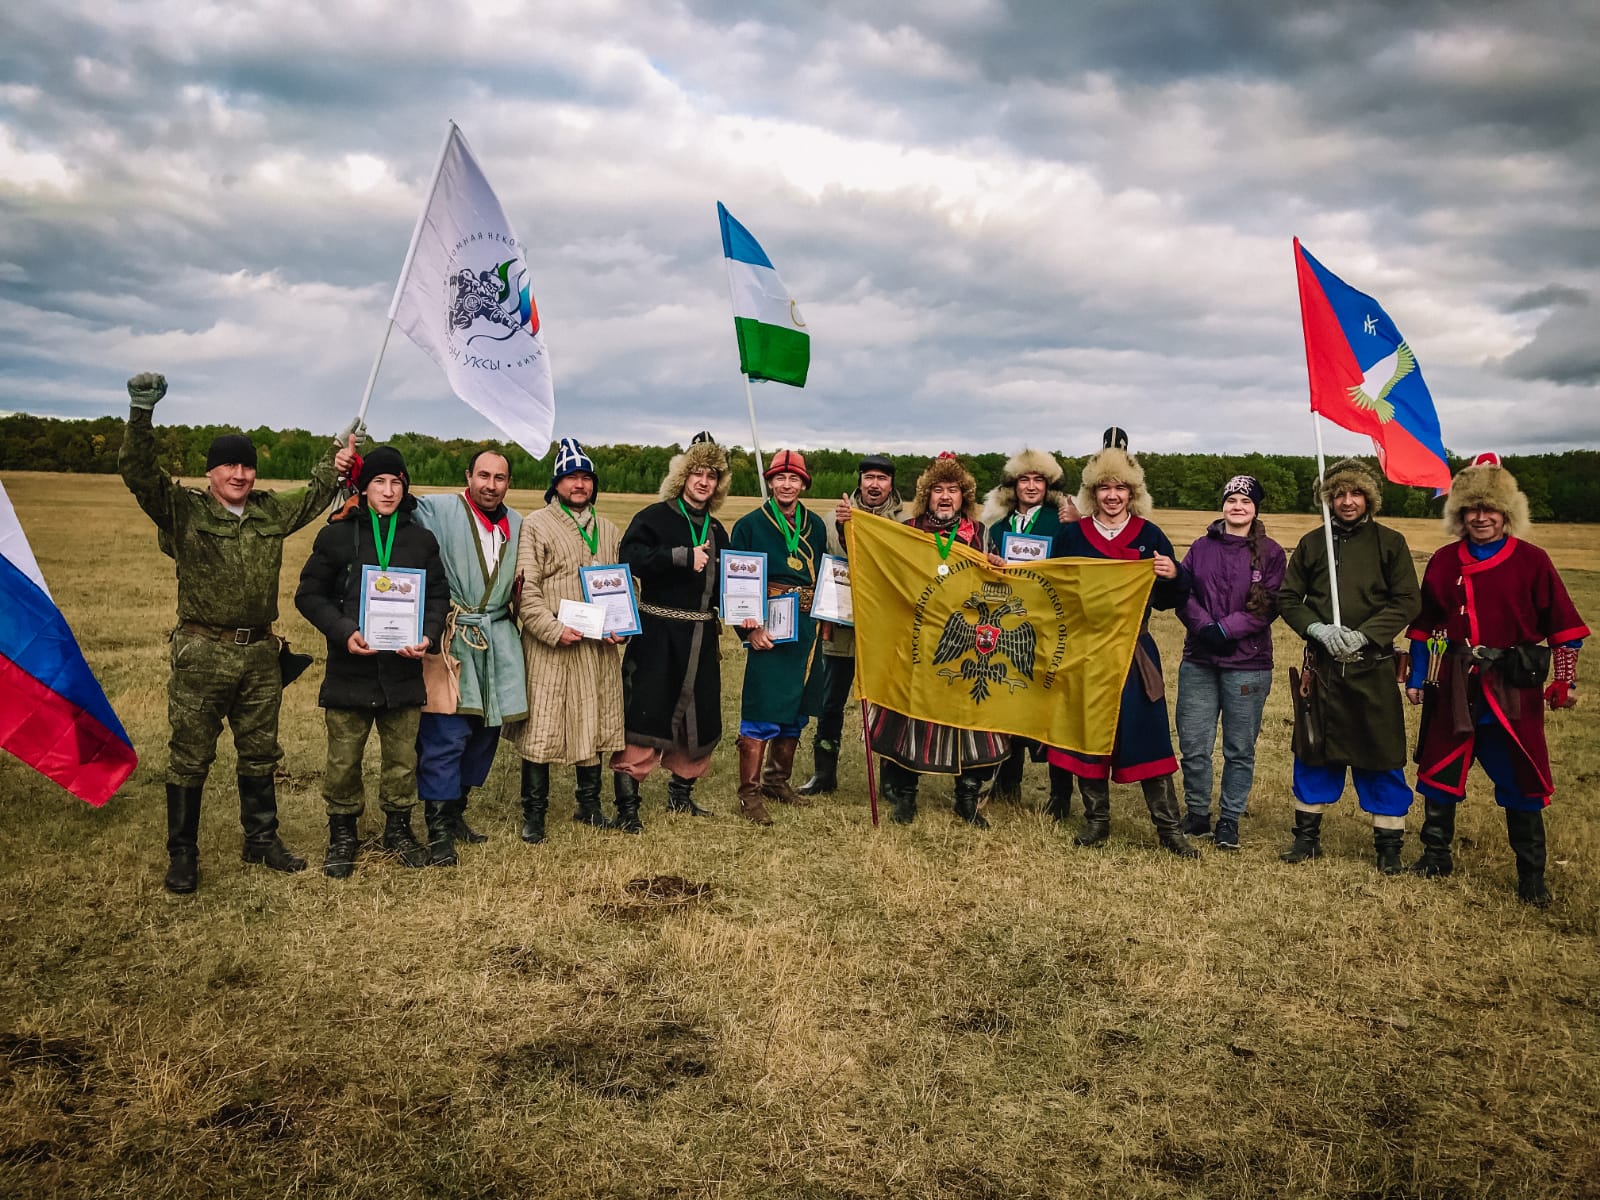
{"points": [[788, 460]]}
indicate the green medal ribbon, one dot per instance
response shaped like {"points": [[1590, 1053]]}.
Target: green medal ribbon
{"points": [[1028, 527], [383, 548], [590, 539], [705, 526], [791, 533], [945, 540]]}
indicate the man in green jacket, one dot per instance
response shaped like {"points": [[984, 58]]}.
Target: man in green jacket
{"points": [[227, 543]]}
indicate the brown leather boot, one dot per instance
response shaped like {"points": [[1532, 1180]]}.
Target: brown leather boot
{"points": [[780, 765], [752, 804]]}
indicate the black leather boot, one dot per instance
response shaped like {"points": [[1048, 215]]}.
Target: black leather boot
{"points": [[535, 800], [459, 829], [439, 816], [344, 843], [900, 789], [258, 813], [626, 789], [824, 769], [1007, 785], [1307, 842], [680, 797], [1438, 831], [1059, 806], [1161, 798], [1525, 832], [969, 785], [1096, 795], [586, 793], [401, 842], [183, 839], [1386, 844]]}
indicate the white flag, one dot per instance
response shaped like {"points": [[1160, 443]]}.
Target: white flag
{"points": [[466, 299]]}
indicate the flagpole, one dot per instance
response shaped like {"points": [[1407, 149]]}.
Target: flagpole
{"points": [[755, 441], [1327, 521], [405, 270]]}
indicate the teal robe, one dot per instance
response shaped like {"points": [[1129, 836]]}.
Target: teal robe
{"points": [[494, 685], [783, 686]]}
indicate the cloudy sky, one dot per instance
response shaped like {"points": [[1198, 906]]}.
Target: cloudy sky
{"points": [[1003, 221]]}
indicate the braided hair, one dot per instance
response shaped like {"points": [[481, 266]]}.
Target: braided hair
{"points": [[1258, 602]]}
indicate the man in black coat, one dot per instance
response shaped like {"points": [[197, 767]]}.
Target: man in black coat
{"points": [[364, 687], [671, 678]]}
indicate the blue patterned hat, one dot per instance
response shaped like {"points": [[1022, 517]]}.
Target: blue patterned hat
{"points": [[570, 459]]}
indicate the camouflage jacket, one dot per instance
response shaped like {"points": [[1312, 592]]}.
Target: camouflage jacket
{"points": [[227, 565]]}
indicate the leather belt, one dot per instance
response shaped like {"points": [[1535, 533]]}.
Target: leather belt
{"points": [[243, 636], [675, 614]]}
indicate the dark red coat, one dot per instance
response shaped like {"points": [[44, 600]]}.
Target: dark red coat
{"points": [[1512, 598]]}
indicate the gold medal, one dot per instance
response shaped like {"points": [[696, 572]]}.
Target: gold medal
{"points": [[794, 562], [944, 569]]}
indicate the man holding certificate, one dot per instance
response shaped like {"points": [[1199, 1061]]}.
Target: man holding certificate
{"points": [[673, 714], [375, 587], [782, 687], [574, 669]]}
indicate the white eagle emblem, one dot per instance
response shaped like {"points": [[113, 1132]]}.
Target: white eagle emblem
{"points": [[1372, 393]]}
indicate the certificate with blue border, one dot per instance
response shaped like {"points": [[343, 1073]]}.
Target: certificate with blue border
{"points": [[744, 586], [1024, 547], [391, 606], [611, 587], [783, 618]]}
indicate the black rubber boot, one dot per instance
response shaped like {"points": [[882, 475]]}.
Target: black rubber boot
{"points": [[344, 843], [258, 813], [183, 839], [1307, 842], [401, 842], [1386, 844], [626, 789], [1525, 832], [969, 785], [1096, 795], [1059, 806], [680, 797], [824, 770], [900, 789], [459, 829], [587, 795], [1007, 785], [1161, 798], [439, 815], [1438, 831], [535, 800]]}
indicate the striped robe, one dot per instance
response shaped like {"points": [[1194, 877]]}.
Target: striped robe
{"points": [[574, 692]]}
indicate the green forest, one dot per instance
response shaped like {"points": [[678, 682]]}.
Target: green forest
{"points": [[1560, 487]]}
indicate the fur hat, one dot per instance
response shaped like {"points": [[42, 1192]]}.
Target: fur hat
{"points": [[1114, 465], [946, 468], [1001, 501], [1352, 473], [702, 452], [1486, 484]]}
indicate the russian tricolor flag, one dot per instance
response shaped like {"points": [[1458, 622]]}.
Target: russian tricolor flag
{"points": [[53, 714], [1365, 378]]}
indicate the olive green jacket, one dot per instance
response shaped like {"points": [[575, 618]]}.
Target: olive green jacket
{"points": [[227, 565]]}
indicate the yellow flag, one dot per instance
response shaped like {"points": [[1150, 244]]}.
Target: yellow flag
{"points": [[1038, 650]]}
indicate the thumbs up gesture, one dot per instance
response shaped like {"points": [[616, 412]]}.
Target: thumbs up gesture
{"points": [[345, 460]]}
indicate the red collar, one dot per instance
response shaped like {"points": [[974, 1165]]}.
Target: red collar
{"points": [[503, 524], [1471, 565], [1118, 546]]}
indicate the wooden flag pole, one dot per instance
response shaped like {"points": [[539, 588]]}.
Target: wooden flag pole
{"points": [[1327, 521]]}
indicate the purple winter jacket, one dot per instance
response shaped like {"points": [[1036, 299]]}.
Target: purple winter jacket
{"points": [[1219, 563]]}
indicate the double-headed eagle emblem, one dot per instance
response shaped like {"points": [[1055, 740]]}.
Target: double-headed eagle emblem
{"points": [[988, 639]]}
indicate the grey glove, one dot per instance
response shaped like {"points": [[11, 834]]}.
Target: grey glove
{"points": [[1351, 643], [145, 389], [1329, 637], [357, 426]]}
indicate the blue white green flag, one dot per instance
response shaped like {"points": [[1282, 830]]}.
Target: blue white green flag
{"points": [[773, 342]]}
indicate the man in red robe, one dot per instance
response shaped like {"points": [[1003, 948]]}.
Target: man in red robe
{"points": [[1488, 599]]}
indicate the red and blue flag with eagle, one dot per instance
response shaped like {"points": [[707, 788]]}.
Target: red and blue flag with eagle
{"points": [[1365, 378]]}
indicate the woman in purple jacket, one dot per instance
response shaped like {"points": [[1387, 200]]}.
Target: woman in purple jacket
{"points": [[1227, 657]]}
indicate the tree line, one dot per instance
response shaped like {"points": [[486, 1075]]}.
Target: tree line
{"points": [[1559, 487]]}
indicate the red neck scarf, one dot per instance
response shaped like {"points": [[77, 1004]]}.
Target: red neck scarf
{"points": [[503, 524]]}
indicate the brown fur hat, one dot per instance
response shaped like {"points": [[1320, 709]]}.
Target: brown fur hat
{"points": [[702, 452], [1358, 475], [1487, 486], [1112, 465], [1001, 501], [946, 468]]}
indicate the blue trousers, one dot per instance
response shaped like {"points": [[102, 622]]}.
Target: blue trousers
{"points": [[766, 731], [1492, 749], [454, 753], [1382, 793], [1205, 695]]}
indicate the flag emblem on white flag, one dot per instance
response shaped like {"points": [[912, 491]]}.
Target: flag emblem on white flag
{"points": [[465, 297]]}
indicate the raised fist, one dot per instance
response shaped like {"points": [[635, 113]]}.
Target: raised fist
{"points": [[146, 388]]}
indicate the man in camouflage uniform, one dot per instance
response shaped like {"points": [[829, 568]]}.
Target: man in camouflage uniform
{"points": [[227, 542]]}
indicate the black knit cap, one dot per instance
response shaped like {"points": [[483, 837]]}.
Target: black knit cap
{"points": [[229, 448], [385, 460], [875, 462]]}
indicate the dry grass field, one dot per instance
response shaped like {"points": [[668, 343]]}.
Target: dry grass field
{"points": [[819, 1009]]}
